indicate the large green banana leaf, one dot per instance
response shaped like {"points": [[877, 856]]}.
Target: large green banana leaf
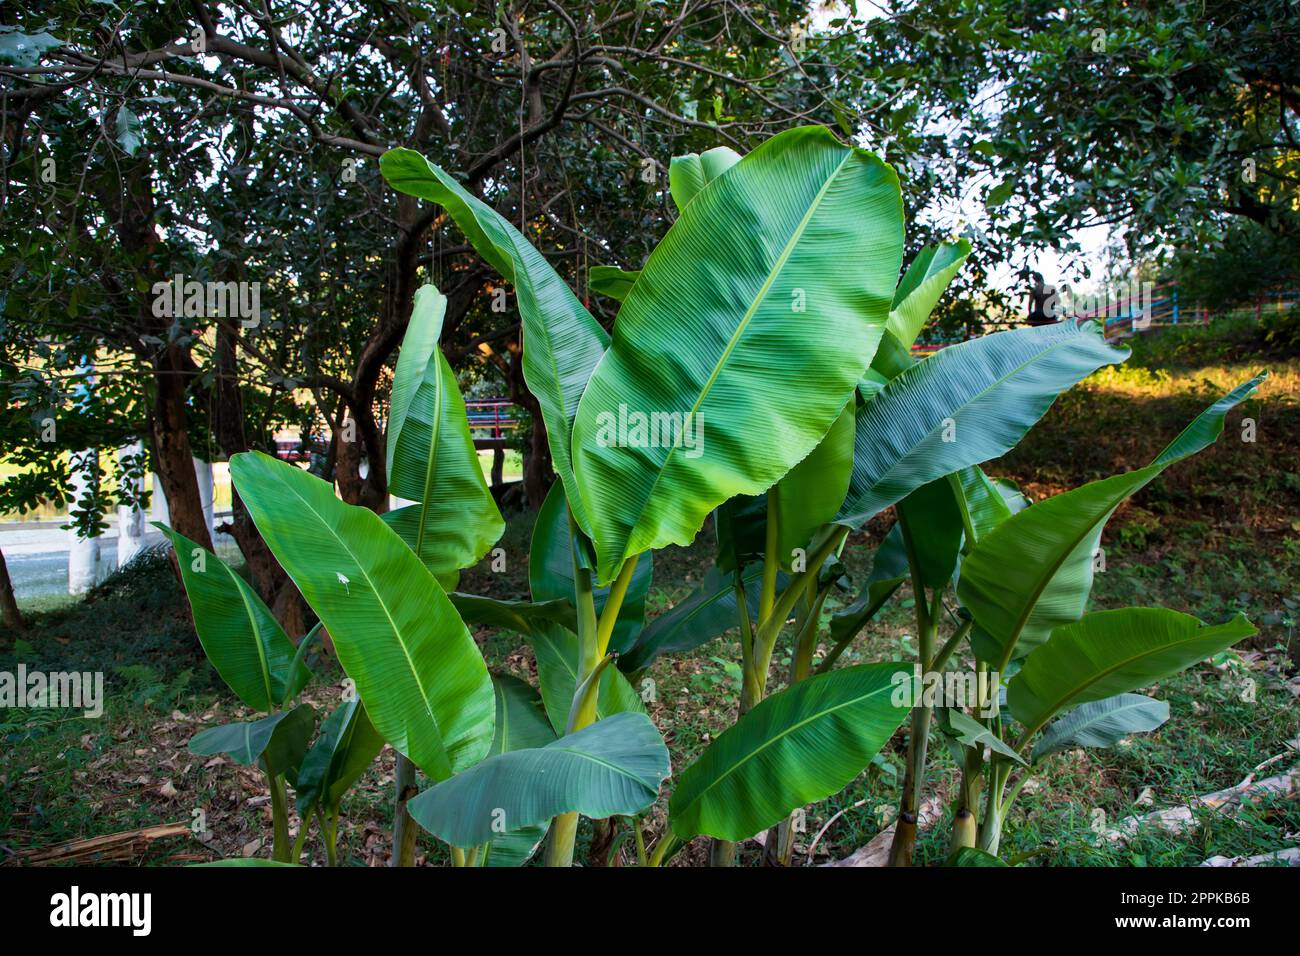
{"points": [[983, 503], [921, 287], [614, 766], [698, 618], [562, 341], [1102, 723], [521, 724], [556, 650], [690, 173], [733, 306], [930, 517], [612, 281], [550, 572], [807, 498], [966, 404], [1034, 571], [1112, 652], [278, 741], [795, 747], [523, 617], [521, 720], [431, 455], [240, 635], [416, 667], [346, 747], [888, 572], [811, 493]]}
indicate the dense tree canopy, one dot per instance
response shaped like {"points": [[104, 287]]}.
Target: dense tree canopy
{"points": [[238, 143]]}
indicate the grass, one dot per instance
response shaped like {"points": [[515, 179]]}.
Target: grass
{"points": [[1216, 535]]}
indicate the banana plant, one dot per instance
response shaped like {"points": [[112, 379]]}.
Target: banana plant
{"points": [[731, 306], [1025, 587], [256, 659], [746, 380], [453, 519], [912, 425], [379, 586]]}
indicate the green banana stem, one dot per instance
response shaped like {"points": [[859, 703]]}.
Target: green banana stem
{"points": [[723, 852], [951, 645], [779, 846], [966, 810], [641, 858], [330, 829], [667, 843], [564, 828], [769, 629], [990, 833], [282, 846], [806, 642], [404, 829], [833, 655], [903, 848], [301, 839], [587, 694], [613, 604], [771, 560]]}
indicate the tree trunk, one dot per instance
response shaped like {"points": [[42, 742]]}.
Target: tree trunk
{"points": [[173, 457], [126, 189], [9, 613], [538, 474], [269, 579], [498, 467]]}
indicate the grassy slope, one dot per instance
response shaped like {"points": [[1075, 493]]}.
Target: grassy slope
{"points": [[1217, 534]]}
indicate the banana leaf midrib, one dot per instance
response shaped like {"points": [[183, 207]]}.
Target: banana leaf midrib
{"points": [[542, 327], [430, 463], [257, 639], [598, 761], [503, 725]]}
